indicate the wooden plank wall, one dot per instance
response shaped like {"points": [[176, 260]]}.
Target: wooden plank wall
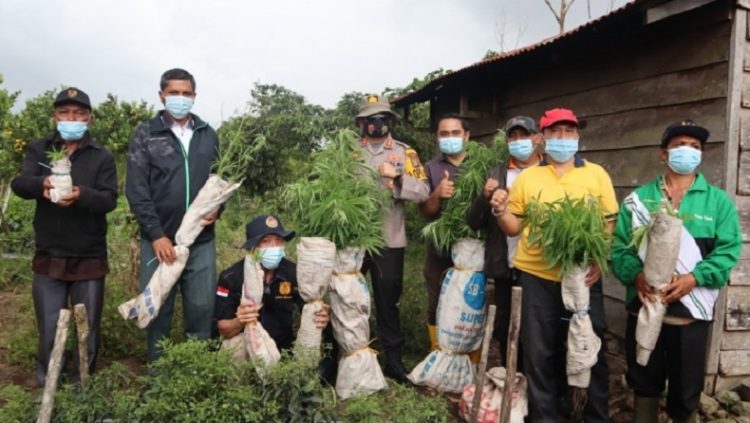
{"points": [[731, 350]]}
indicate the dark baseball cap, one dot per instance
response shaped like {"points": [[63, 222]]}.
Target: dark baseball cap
{"points": [[264, 225], [685, 127], [524, 122], [72, 95]]}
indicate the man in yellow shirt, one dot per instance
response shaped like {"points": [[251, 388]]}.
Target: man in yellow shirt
{"points": [[562, 172]]}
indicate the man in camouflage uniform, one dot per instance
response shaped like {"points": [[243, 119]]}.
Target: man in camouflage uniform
{"points": [[402, 174]]}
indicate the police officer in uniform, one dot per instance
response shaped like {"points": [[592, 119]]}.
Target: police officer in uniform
{"points": [[402, 174]]}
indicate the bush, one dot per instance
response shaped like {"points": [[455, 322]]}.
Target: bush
{"points": [[107, 396], [18, 406]]}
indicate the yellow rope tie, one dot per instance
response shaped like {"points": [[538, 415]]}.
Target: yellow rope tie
{"points": [[365, 348], [451, 352]]}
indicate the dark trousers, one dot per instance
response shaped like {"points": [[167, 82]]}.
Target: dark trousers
{"points": [[50, 295], [387, 274], [435, 266], [542, 333], [198, 287], [680, 356]]}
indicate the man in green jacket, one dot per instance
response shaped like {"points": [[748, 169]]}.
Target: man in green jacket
{"points": [[709, 249]]}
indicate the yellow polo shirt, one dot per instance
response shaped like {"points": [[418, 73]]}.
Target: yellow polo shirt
{"points": [[583, 180]]}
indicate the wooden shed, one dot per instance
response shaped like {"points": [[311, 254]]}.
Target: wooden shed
{"points": [[628, 75]]}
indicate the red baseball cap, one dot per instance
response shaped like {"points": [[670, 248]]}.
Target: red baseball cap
{"points": [[554, 116]]}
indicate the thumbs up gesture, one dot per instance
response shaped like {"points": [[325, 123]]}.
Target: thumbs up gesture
{"points": [[445, 189]]}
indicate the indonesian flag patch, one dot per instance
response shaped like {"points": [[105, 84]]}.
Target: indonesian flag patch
{"points": [[222, 292]]}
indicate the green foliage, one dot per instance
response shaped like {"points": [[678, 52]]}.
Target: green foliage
{"points": [[193, 382], [398, 404], [57, 154], [570, 231], [236, 152], [292, 128], [640, 234], [115, 121], [342, 199], [16, 405], [451, 225], [108, 395]]}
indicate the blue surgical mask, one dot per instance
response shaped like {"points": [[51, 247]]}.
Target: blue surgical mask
{"points": [[561, 150], [451, 145], [72, 130], [684, 160], [178, 106], [270, 257], [521, 149]]}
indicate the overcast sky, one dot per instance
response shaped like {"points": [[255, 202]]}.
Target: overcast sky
{"points": [[319, 48]]}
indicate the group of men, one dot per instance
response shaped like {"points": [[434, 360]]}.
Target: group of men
{"points": [[169, 160]]}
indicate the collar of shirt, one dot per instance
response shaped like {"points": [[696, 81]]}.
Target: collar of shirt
{"points": [[374, 148], [168, 122], [512, 162], [577, 162]]}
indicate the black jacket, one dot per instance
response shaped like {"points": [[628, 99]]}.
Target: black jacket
{"points": [[158, 187], [81, 229], [479, 216], [280, 299]]}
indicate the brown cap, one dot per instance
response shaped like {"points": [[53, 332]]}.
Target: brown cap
{"points": [[374, 104]]}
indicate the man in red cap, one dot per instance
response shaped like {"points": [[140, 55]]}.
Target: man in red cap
{"points": [[560, 173]]}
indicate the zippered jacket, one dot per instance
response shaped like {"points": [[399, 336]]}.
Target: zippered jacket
{"points": [[708, 215], [163, 178]]}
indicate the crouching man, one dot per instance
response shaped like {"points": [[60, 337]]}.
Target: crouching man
{"points": [[267, 238]]}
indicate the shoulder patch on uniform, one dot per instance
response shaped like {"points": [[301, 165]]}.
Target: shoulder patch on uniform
{"points": [[413, 166]]}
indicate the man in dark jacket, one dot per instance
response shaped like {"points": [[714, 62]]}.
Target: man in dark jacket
{"points": [[71, 244], [523, 141], [169, 159]]}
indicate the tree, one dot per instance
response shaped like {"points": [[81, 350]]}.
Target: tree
{"points": [[292, 128], [561, 13], [114, 122]]}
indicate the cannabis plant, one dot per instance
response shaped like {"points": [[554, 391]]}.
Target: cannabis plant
{"points": [[570, 231], [341, 199], [472, 174]]}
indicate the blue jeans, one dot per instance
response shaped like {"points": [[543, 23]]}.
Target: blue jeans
{"points": [[198, 286]]}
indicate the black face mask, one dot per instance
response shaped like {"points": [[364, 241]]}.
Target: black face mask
{"points": [[376, 126]]}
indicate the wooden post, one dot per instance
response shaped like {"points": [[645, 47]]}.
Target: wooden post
{"points": [[53, 369], [82, 330], [512, 353], [479, 378]]}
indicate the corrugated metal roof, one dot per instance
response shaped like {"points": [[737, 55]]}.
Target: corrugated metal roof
{"points": [[421, 94]]}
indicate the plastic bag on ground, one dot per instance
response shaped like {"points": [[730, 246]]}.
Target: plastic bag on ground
{"points": [[145, 307], [359, 371], [62, 183], [315, 260], [492, 398], [211, 196], [583, 344], [460, 321], [258, 343], [658, 267]]}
